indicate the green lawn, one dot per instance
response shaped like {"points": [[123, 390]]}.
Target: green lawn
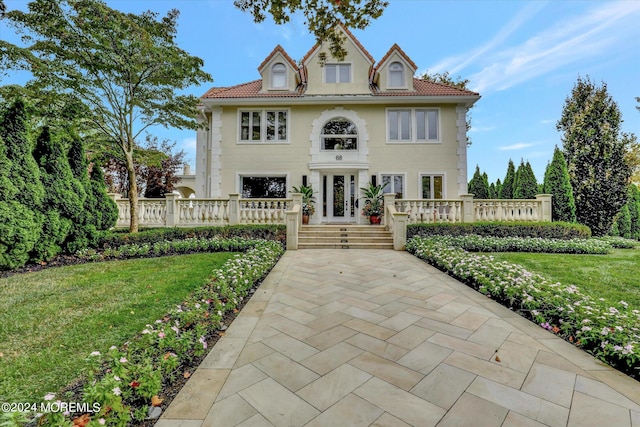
{"points": [[615, 276], [51, 320]]}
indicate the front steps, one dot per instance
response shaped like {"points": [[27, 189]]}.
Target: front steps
{"points": [[347, 236]]}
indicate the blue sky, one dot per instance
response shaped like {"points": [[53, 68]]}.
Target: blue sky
{"points": [[522, 56]]}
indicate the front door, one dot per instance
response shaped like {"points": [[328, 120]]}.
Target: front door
{"points": [[339, 197]]}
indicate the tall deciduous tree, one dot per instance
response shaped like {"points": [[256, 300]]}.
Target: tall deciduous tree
{"points": [[506, 191], [127, 69], [557, 183], [526, 184], [321, 16], [595, 149]]}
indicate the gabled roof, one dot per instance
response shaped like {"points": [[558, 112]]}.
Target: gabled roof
{"points": [[396, 48], [273, 53], [427, 88], [353, 39]]}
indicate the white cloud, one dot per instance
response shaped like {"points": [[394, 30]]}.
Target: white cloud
{"points": [[518, 146], [577, 38], [546, 121], [456, 63], [481, 129]]}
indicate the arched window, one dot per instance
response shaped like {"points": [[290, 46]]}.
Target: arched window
{"points": [[339, 134], [396, 75], [278, 76]]}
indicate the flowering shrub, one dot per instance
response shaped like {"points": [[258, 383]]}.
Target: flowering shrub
{"points": [[475, 243], [189, 245], [548, 230], [619, 242], [609, 331], [127, 380]]}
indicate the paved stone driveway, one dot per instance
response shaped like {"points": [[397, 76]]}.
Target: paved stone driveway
{"points": [[378, 337]]}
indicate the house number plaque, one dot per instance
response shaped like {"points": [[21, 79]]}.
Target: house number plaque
{"points": [[339, 157]]}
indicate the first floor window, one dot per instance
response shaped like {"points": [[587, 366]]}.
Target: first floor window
{"points": [[264, 187], [432, 186], [393, 184], [263, 125]]}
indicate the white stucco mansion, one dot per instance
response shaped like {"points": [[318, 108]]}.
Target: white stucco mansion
{"points": [[334, 125]]}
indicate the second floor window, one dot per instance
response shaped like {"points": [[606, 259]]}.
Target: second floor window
{"points": [[263, 125], [339, 134], [337, 73], [413, 125]]}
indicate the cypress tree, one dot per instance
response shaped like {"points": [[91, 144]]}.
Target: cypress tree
{"points": [[24, 171], [492, 191], [498, 188], [595, 150], [479, 185], [64, 198], [556, 183], [105, 210], [634, 211], [506, 192], [623, 222], [24, 174], [526, 185], [84, 231], [18, 227]]}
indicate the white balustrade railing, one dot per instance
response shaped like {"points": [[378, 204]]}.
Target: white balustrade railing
{"points": [[175, 212], [431, 211], [471, 210], [506, 210], [172, 211], [197, 212], [263, 211]]}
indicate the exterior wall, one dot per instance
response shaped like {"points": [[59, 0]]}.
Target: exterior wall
{"points": [[360, 67], [225, 159]]}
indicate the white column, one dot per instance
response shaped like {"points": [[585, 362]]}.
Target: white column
{"points": [[461, 138]]}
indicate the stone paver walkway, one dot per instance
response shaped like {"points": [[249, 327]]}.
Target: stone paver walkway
{"points": [[380, 338]]}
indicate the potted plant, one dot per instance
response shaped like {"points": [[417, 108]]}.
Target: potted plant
{"points": [[373, 202], [307, 201]]}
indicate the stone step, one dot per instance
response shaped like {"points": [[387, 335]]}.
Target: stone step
{"points": [[344, 236], [345, 245]]}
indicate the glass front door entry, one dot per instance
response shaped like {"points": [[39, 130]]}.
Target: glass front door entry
{"points": [[339, 197]]}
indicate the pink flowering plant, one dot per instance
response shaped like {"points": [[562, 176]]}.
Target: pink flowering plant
{"points": [[608, 330], [127, 380]]}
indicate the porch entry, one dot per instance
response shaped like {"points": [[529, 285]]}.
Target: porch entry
{"points": [[339, 197]]}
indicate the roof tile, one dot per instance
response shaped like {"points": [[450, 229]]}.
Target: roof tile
{"points": [[280, 49]]}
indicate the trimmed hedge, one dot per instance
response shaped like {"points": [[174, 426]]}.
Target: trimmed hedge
{"points": [[116, 239], [547, 230]]}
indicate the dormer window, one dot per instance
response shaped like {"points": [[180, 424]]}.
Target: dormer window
{"points": [[337, 73], [278, 76], [396, 75]]}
